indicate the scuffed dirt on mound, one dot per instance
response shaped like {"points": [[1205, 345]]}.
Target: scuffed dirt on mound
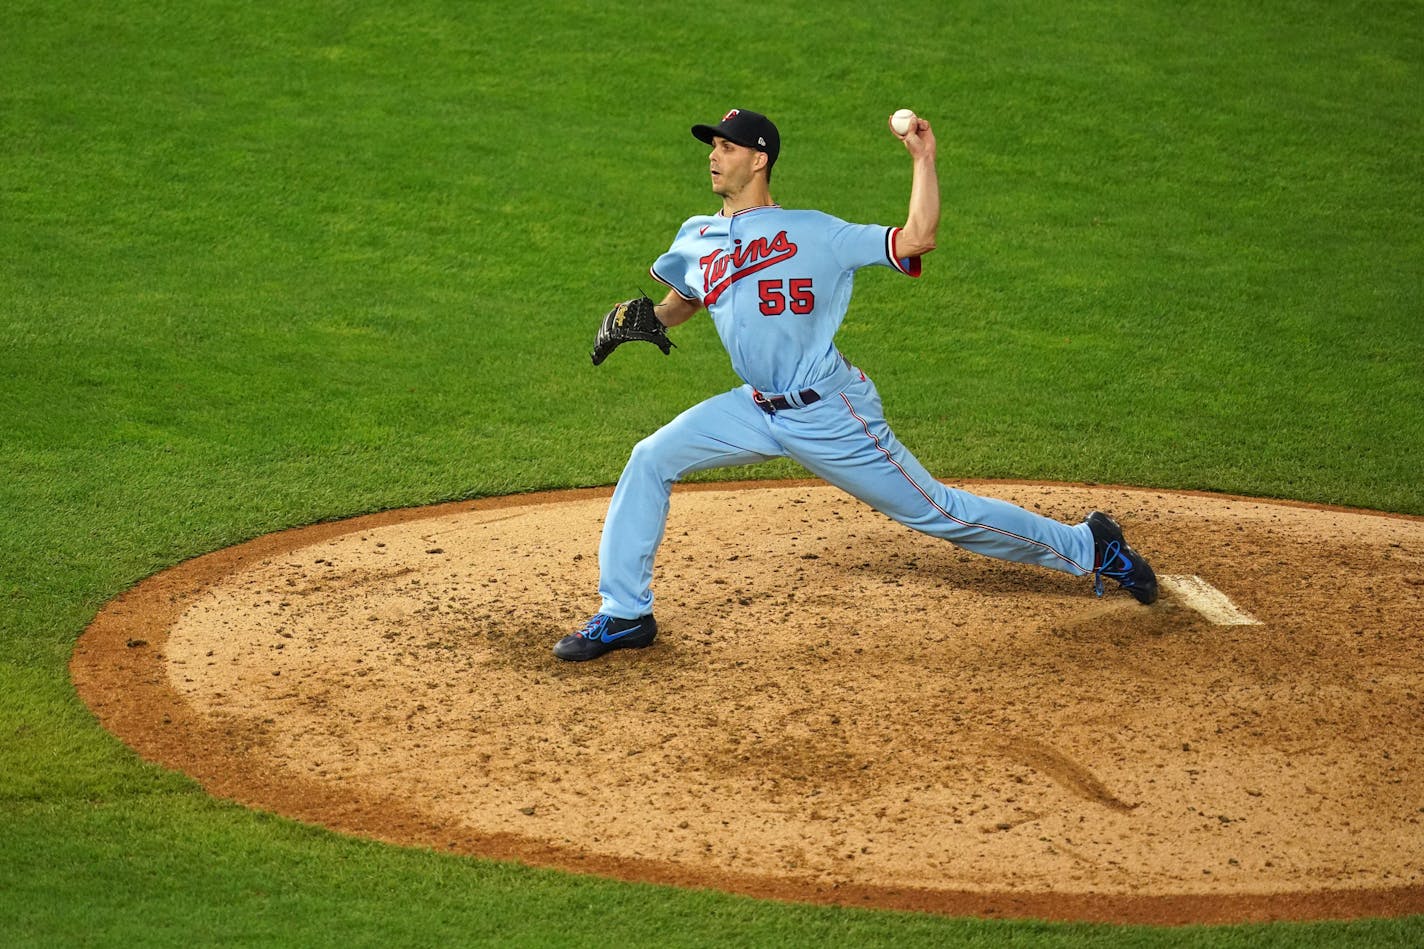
{"points": [[836, 709]]}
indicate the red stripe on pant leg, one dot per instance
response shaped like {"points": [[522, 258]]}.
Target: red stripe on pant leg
{"points": [[931, 501]]}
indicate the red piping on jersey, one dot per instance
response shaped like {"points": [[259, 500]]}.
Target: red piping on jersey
{"points": [[911, 265], [759, 207], [931, 501]]}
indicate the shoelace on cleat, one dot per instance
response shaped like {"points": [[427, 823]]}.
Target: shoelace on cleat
{"points": [[593, 628], [1111, 552]]}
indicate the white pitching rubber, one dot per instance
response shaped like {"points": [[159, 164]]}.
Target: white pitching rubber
{"points": [[1207, 600]]}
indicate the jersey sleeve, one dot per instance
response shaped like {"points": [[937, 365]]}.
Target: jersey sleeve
{"points": [[869, 245], [671, 269]]}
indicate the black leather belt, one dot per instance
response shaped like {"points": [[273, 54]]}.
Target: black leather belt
{"points": [[773, 404]]}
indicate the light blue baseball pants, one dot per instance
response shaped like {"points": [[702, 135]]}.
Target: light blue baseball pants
{"points": [[843, 439]]}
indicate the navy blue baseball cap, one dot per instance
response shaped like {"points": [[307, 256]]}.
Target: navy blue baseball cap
{"points": [[746, 128]]}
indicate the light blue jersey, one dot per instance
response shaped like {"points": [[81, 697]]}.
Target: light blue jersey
{"points": [[777, 284]]}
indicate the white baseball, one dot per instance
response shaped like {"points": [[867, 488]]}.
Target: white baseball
{"points": [[902, 121]]}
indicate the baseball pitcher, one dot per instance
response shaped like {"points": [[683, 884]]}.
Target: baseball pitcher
{"points": [[777, 283]]}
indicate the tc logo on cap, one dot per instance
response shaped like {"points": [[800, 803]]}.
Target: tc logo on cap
{"points": [[743, 127]]}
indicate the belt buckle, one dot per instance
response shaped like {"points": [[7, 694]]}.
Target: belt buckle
{"points": [[763, 403]]}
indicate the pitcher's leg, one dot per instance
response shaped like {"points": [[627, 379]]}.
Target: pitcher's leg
{"points": [[724, 430], [865, 459]]}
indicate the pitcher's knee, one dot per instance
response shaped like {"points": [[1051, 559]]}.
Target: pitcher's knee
{"points": [[649, 460]]}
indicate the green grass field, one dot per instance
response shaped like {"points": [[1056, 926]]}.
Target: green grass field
{"points": [[269, 264]]}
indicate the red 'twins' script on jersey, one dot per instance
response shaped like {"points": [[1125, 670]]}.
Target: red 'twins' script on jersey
{"points": [[720, 269]]}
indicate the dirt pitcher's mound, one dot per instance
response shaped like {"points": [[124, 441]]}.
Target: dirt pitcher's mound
{"points": [[837, 709]]}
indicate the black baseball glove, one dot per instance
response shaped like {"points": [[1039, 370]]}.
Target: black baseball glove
{"points": [[629, 321]]}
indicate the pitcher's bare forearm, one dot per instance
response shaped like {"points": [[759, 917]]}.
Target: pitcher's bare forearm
{"points": [[917, 237], [674, 309]]}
